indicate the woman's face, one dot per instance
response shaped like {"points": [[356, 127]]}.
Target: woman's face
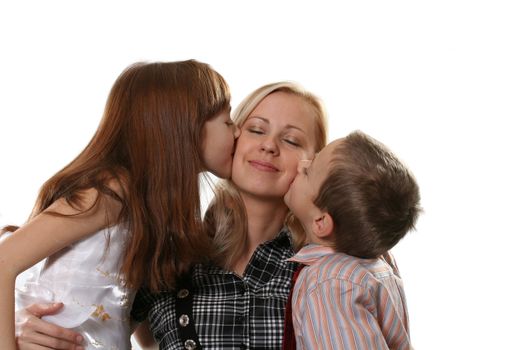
{"points": [[278, 133]]}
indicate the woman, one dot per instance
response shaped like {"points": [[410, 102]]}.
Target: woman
{"points": [[239, 301]]}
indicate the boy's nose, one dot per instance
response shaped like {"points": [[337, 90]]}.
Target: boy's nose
{"points": [[303, 163]]}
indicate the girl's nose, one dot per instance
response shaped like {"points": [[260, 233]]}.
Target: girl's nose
{"points": [[236, 131]]}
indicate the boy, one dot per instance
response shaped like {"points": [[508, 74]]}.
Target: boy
{"points": [[355, 200]]}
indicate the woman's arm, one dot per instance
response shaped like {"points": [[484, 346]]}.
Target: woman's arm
{"points": [[144, 337], [41, 237], [32, 333]]}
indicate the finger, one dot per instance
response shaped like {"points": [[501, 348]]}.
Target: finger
{"points": [[40, 310], [23, 346], [38, 347], [40, 341], [35, 325]]}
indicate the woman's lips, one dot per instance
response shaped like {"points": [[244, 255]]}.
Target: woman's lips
{"points": [[263, 166]]}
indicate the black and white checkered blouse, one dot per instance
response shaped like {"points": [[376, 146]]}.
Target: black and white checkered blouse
{"points": [[229, 312]]}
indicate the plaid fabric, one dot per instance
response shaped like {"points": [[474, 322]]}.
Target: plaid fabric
{"points": [[230, 312]]}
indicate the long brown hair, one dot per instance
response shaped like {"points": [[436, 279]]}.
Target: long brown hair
{"points": [[372, 197], [226, 219], [149, 140]]}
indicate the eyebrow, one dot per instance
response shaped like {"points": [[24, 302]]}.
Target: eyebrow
{"points": [[287, 126]]}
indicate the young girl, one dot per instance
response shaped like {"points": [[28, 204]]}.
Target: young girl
{"points": [[125, 212], [355, 200]]}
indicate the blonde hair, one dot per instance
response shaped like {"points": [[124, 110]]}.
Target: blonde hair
{"points": [[226, 220]]}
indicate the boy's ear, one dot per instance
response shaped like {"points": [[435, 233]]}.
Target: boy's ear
{"points": [[323, 225]]}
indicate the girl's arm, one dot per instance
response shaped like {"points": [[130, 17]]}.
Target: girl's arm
{"points": [[41, 237]]}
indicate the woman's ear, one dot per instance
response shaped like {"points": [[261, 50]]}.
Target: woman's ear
{"points": [[323, 225]]}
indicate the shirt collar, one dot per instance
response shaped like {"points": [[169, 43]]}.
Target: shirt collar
{"points": [[284, 237], [283, 242], [311, 253]]}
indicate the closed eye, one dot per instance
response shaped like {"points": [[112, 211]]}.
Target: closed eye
{"points": [[255, 131], [293, 143]]}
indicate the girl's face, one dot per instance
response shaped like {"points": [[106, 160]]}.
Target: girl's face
{"points": [[278, 133], [218, 144]]}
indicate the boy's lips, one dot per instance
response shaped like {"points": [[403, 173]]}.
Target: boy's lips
{"points": [[263, 166]]}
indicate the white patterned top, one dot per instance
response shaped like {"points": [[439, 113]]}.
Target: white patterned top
{"points": [[85, 278]]}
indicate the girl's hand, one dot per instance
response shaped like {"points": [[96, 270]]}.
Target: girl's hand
{"points": [[32, 333]]}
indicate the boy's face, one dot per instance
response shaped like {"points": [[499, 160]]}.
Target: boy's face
{"points": [[306, 185]]}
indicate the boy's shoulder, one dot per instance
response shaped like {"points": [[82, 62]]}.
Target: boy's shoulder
{"points": [[352, 269]]}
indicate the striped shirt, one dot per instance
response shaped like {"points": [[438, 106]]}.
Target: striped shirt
{"points": [[343, 302]]}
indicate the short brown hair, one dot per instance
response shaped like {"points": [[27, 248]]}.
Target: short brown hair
{"points": [[372, 197]]}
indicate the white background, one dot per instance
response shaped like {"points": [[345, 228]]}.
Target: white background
{"points": [[442, 83]]}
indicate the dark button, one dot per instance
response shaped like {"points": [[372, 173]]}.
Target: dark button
{"points": [[183, 293], [190, 344]]}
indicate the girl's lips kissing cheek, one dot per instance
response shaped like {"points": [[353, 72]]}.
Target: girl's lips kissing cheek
{"points": [[263, 166]]}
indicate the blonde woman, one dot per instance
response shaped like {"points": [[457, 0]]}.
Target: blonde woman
{"points": [[239, 301]]}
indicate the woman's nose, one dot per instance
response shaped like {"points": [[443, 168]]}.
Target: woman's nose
{"points": [[269, 145]]}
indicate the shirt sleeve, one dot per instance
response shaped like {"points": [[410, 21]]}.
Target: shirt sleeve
{"points": [[141, 305], [340, 315], [389, 259]]}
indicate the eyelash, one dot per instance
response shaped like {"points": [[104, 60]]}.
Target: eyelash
{"points": [[293, 143], [255, 131], [305, 171], [260, 132]]}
